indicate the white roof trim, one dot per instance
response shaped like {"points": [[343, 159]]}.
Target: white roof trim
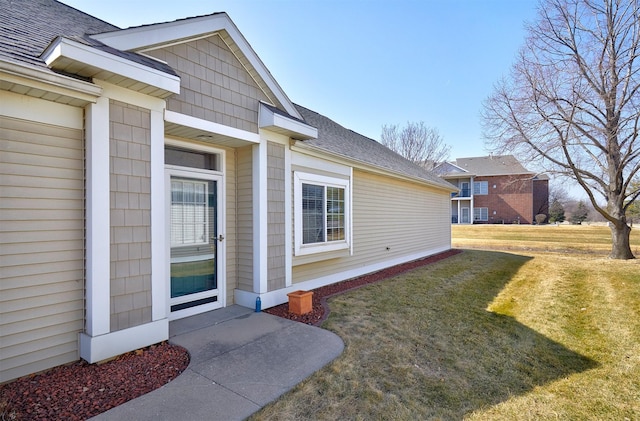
{"points": [[66, 48], [210, 126], [143, 37], [46, 80], [366, 166], [292, 127]]}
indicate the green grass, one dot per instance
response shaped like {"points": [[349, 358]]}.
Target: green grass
{"points": [[592, 239], [483, 335]]}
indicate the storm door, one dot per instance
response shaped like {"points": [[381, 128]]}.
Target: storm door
{"points": [[194, 243]]}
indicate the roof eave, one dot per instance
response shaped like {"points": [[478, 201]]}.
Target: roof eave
{"points": [[296, 129], [34, 80], [72, 57], [323, 153]]}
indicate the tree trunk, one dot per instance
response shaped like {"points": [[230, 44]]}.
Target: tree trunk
{"points": [[621, 248]]}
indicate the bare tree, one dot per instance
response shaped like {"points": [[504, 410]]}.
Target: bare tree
{"points": [[558, 192], [572, 102], [417, 142]]}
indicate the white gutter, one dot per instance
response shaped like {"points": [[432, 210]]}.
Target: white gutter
{"points": [[66, 48], [347, 160], [49, 81]]}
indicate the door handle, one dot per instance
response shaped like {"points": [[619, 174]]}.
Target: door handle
{"points": [[220, 237]]}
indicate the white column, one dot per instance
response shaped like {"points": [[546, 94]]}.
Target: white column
{"points": [[98, 218], [260, 216], [159, 276]]}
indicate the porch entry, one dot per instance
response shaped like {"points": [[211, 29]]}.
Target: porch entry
{"points": [[193, 219]]}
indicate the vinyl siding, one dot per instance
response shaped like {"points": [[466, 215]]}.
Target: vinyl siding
{"points": [[245, 219], [276, 217], [130, 161], [404, 217], [231, 235], [214, 85], [42, 245]]}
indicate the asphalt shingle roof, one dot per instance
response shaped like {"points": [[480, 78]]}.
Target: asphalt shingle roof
{"points": [[492, 165], [28, 26], [336, 139]]}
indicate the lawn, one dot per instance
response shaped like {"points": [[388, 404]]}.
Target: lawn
{"points": [[486, 335], [591, 239]]}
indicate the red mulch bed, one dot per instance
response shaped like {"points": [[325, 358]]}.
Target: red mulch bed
{"points": [[320, 308], [80, 390]]}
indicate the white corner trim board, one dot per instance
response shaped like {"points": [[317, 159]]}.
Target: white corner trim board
{"points": [[94, 349]]}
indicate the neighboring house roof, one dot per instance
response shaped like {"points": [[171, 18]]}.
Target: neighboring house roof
{"points": [[449, 169], [482, 166], [492, 165], [337, 140]]}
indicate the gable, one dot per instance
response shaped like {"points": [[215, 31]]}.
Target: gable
{"points": [[147, 38], [214, 85], [447, 168]]}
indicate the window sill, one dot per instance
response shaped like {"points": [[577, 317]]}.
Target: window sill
{"points": [[320, 256], [321, 248]]}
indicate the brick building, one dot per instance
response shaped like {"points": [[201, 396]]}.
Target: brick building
{"points": [[495, 189]]}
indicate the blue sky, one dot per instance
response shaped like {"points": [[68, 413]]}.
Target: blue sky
{"points": [[369, 63]]}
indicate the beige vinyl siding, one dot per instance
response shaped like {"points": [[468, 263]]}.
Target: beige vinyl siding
{"points": [[407, 218], [130, 168], [214, 85], [231, 236], [41, 246], [276, 217], [245, 219]]}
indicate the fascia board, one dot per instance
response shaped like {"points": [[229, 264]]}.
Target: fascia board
{"points": [[458, 167], [48, 81], [210, 126], [365, 166], [296, 128], [144, 37], [505, 174], [65, 48]]}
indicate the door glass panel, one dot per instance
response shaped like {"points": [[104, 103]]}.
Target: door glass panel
{"points": [[465, 216], [193, 236]]}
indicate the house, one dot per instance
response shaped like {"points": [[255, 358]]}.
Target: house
{"points": [[495, 189], [156, 172]]}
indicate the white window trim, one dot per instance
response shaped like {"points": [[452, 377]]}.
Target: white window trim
{"points": [[301, 178], [481, 191], [480, 211]]}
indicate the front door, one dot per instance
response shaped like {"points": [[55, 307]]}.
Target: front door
{"points": [[466, 217], [194, 239]]}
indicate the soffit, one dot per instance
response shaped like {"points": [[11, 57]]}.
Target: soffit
{"points": [[187, 127]]}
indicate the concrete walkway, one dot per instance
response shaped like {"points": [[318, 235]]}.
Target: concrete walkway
{"points": [[240, 361]]}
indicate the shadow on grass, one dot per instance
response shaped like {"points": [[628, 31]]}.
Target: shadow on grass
{"points": [[427, 338]]}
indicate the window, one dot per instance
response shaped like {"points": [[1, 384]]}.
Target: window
{"points": [[189, 212], [480, 214], [480, 187], [321, 213], [191, 159]]}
